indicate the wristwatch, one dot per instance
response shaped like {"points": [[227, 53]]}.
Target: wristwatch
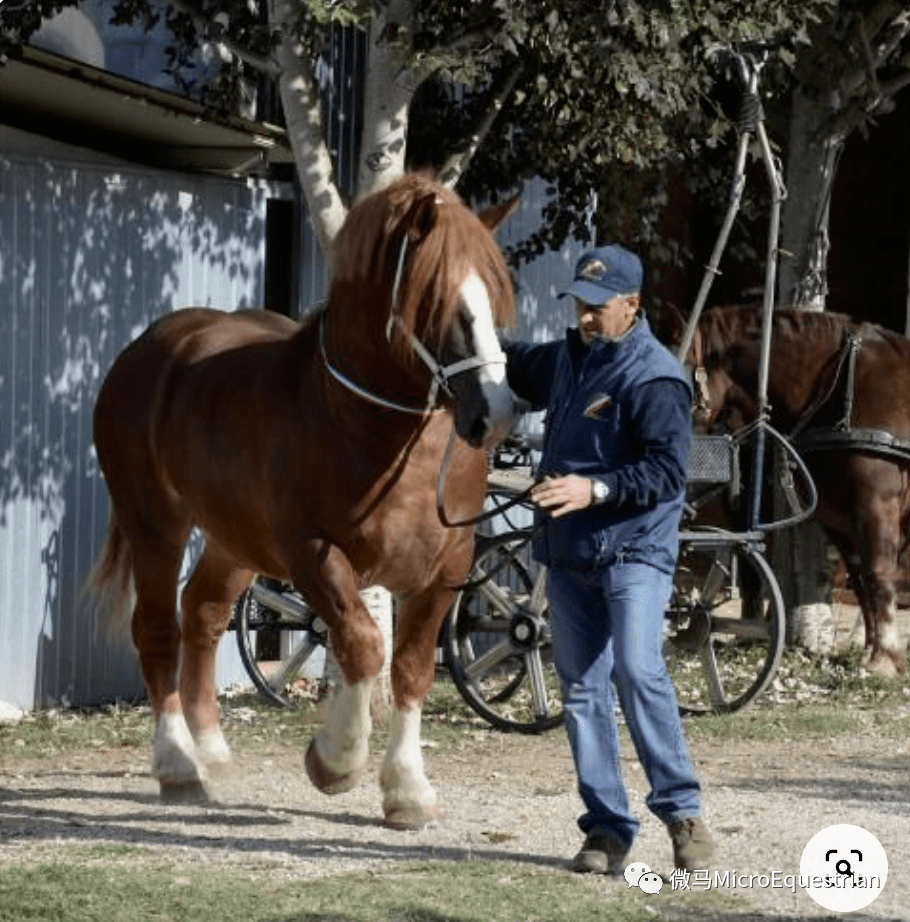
{"points": [[599, 492]]}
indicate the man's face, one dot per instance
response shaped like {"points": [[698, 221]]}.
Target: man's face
{"points": [[599, 321]]}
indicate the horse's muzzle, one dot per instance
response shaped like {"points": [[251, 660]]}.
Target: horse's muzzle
{"points": [[484, 418]]}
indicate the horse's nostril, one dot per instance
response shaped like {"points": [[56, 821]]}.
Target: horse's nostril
{"points": [[478, 431]]}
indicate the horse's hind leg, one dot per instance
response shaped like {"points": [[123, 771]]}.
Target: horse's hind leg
{"points": [[206, 603], [408, 798], [156, 568], [878, 539]]}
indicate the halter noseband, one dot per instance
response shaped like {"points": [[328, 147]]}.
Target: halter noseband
{"points": [[441, 375]]}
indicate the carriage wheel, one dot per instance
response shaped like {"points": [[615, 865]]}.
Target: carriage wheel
{"points": [[499, 640], [724, 631], [277, 633]]}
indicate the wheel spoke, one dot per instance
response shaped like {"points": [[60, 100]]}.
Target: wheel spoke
{"points": [[293, 664], [487, 662], [500, 598], [539, 698], [712, 674], [292, 610]]}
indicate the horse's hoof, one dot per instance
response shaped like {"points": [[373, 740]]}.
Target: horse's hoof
{"points": [[184, 792], [212, 751], [884, 666], [411, 817], [324, 779]]}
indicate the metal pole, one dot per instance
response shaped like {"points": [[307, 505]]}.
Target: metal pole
{"points": [[778, 194], [736, 195]]}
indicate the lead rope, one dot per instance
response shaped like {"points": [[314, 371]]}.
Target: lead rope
{"points": [[517, 500]]}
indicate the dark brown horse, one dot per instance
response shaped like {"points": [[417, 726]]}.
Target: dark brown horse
{"points": [[841, 391], [312, 453]]}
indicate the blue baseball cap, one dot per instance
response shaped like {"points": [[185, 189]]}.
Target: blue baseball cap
{"points": [[604, 273]]}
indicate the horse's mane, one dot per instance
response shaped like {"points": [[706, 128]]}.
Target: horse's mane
{"points": [[742, 323], [445, 241]]}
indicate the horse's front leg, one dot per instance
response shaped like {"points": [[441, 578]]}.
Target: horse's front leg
{"points": [[408, 799], [338, 754]]}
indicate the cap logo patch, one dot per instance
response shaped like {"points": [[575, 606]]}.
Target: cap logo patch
{"points": [[594, 269]]}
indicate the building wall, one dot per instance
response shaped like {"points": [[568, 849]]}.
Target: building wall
{"points": [[90, 252]]}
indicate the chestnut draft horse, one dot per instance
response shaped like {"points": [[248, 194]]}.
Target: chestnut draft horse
{"points": [[841, 392], [312, 453]]}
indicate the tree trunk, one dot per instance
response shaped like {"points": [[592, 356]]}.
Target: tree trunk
{"points": [[388, 91], [303, 115], [800, 555]]}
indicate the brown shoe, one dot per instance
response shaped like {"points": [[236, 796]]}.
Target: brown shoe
{"points": [[600, 855], [692, 843]]}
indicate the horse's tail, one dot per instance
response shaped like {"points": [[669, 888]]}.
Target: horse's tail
{"points": [[110, 583]]}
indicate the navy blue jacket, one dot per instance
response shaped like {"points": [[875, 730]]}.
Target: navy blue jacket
{"points": [[619, 411]]}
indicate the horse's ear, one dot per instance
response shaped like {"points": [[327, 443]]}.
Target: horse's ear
{"points": [[668, 323], [497, 215]]}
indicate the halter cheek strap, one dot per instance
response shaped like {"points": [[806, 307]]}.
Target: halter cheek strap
{"points": [[700, 376], [441, 375]]}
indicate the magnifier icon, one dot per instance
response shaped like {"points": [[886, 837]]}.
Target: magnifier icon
{"points": [[842, 865], [846, 870]]}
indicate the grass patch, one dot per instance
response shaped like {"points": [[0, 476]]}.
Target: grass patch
{"points": [[815, 697], [811, 697], [469, 891], [48, 734], [771, 725]]}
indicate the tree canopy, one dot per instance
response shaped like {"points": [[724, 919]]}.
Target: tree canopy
{"points": [[600, 97]]}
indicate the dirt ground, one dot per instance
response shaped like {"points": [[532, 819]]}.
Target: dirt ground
{"points": [[505, 797]]}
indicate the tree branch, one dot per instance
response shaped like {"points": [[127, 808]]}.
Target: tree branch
{"points": [[215, 32], [457, 163]]}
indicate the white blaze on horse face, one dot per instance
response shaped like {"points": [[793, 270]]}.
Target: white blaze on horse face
{"points": [[492, 374]]}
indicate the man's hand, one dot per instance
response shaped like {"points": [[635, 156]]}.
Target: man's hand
{"points": [[560, 495]]}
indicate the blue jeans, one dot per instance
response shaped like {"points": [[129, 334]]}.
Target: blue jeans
{"points": [[608, 630]]}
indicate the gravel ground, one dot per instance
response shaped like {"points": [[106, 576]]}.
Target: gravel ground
{"points": [[505, 798]]}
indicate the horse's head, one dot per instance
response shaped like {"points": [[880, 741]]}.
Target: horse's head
{"points": [[724, 375], [709, 358], [448, 290]]}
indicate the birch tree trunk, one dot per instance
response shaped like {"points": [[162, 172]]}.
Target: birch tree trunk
{"points": [[300, 101], [800, 555], [389, 87]]}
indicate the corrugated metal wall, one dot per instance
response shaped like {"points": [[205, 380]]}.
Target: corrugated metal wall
{"points": [[89, 254]]}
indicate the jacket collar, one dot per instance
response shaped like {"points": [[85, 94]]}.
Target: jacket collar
{"points": [[609, 349]]}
